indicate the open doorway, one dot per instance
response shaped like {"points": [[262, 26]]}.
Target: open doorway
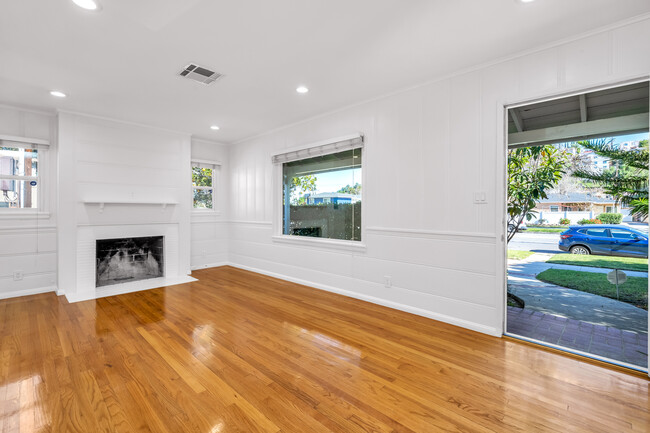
{"points": [[577, 224]]}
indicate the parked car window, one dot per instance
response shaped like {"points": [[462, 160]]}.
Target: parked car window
{"points": [[622, 234], [597, 232]]}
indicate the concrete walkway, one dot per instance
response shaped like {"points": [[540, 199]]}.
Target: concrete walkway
{"points": [[569, 303]]}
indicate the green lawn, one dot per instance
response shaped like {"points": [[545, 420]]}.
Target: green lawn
{"points": [[626, 263], [634, 291], [518, 254], [546, 229]]}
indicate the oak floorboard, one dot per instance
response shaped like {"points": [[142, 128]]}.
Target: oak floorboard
{"points": [[242, 352]]}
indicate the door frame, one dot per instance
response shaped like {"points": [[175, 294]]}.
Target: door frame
{"points": [[502, 187]]}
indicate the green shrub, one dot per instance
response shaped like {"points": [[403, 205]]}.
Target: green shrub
{"points": [[565, 221], [591, 221], [610, 218]]}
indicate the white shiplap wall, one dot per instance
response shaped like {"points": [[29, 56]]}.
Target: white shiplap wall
{"points": [[28, 242], [106, 160], [428, 150], [210, 228]]}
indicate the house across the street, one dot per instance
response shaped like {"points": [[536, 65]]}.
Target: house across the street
{"points": [[332, 197], [576, 206]]}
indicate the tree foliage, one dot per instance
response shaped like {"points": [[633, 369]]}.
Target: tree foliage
{"points": [[531, 172], [299, 186], [201, 176], [347, 189], [577, 160], [627, 180], [202, 197]]}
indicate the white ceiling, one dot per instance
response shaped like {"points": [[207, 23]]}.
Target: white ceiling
{"points": [[122, 62]]}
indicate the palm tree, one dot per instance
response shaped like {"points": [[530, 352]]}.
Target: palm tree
{"points": [[627, 182]]}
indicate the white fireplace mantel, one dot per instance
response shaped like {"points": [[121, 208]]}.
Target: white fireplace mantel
{"points": [[103, 203]]}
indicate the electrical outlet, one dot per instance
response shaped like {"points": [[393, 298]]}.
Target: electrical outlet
{"points": [[388, 281], [18, 275]]}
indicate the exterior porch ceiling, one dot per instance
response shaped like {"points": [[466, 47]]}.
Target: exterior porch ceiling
{"points": [[603, 113]]}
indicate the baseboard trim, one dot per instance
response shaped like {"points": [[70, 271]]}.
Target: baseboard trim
{"points": [[379, 301], [209, 265], [105, 292], [19, 293]]}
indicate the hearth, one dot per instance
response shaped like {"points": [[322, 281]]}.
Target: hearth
{"points": [[125, 260]]}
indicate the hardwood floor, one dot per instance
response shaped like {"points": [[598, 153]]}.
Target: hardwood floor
{"points": [[241, 352]]}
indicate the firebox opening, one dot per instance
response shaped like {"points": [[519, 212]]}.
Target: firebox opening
{"points": [[128, 259]]}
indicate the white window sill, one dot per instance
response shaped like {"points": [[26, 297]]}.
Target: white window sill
{"points": [[23, 214], [206, 212], [334, 244]]}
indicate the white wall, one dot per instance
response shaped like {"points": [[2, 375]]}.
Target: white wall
{"points": [[28, 241], [104, 160], [210, 228], [428, 150]]}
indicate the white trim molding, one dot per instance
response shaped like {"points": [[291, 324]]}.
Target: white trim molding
{"points": [[485, 238], [28, 292], [307, 241]]}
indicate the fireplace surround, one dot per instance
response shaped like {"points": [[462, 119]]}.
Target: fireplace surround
{"points": [[87, 265]]}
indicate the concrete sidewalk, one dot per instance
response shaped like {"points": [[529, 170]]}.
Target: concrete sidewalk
{"points": [[577, 305], [535, 264]]}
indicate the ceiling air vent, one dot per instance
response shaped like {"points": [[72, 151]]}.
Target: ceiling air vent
{"points": [[200, 74]]}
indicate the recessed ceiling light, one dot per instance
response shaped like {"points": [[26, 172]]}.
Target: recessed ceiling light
{"points": [[89, 5], [58, 94], [214, 127], [525, 1], [302, 89]]}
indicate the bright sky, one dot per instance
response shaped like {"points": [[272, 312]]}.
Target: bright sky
{"points": [[632, 137], [335, 180]]}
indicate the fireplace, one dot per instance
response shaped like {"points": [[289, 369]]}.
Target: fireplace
{"points": [[126, 260]]}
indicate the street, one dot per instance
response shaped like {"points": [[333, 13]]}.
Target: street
{"points": [[537, 242], [547, 242]]}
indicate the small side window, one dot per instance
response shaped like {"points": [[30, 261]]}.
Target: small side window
{"points": [[203, 183]]}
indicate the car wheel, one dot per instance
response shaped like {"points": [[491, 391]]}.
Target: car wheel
{"points": [[579, 249]]}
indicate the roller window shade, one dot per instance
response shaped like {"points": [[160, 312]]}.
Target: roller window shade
{"points": [[320, 150], [22, 145], [203, 165]]}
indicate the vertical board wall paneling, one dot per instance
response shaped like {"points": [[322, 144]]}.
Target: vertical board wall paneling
{"points": [[28, 242], [441, 250], [209, 229]]}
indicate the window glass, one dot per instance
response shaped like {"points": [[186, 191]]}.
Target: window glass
{"points": [[555, 208], [322, 196], [201, 176], [622, 234], [18, 178], [202, 187], [597, 232]]}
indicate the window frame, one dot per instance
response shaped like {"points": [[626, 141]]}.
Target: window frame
{"points": [[278, 194], [216, 169], [42, 201]]}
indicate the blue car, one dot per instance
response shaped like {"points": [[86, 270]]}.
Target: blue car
{"points": [[604, 239]]}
